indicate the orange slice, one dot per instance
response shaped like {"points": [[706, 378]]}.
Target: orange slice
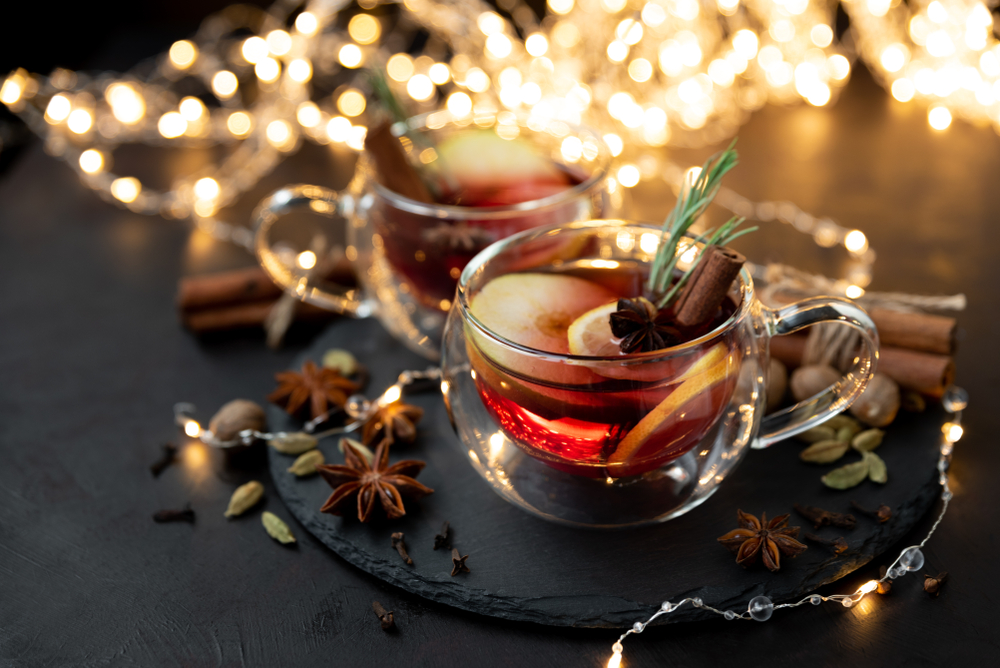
{"points": [[590, 334], [713, 367]]}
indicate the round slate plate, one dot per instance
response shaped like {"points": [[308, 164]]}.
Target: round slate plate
{"points": [[526, 569]]}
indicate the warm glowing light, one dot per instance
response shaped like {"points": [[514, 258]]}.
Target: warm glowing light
{"points": [[903, 90], [497, 441], [268, 70], [91, 161], [571, 149], [536, 44], [279, 42], [356, 137], [490, 23], [364, 28], [192, 429], [254, 50], [439, 73], [839, 66], [171, 124], [279, 133], [207, 189], [640, 70], [80, 121], [936, 12], [350, 55], [856, 241], [854, 291], [338, 129], [561, 6], [615, 143], [459, 104], [308, 115], [629, 31], [399, 67], [878, 7], [306, 259], [351, 102], [821, 35], [126, 104], [182, 54], [617, 51], [126, 189], [952, 431], [420, 87], [869, 587], [391, 395], [615, 661], [939, 44], [628, 175], [893, 57], [58, 108], [239, 123], [939, 118], [306, 23], [499, 45], [300, 70], [745, 43], [224, 84]]}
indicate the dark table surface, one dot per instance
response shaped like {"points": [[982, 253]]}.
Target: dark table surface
{"points": [[92, 358]]}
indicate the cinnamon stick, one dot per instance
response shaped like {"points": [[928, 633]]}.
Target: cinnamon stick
{"points": [[926, 373], [917, 331], [230, 287], [394, 169], [708, 287], [239, 316]]}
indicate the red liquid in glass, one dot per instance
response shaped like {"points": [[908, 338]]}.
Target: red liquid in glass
{"points": [[577, 427]]}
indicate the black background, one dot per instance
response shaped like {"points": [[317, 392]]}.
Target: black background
{"points": [[92, 358]]}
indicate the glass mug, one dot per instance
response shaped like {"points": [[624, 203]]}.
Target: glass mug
{"points": [[620, 440], [407, 254]]}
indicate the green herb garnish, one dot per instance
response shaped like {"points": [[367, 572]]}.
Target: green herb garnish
{"points": [[691, 203]]}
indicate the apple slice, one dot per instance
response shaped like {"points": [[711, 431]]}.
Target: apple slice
{"points": [[535, 310], [714, 367], [482, 160]]}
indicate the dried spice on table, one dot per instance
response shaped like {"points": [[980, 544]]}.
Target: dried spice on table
{"points": [[760, 536], [883, 513], [385, 617], [185, 514], [838, 545], [245, 497], [168, 457], [324, 389], [458, 563], [395, 421], [820, 517], [933, 583], [442, 541], [389, 484], [399, 544]]}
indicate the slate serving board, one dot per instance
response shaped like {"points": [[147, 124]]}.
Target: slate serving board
{"points": [[526, 569]]}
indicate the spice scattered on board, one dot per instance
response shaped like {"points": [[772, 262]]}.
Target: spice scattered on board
{"points": [[245, 497], [276, 528], [442, 541], [399, 544], [458, 564], [185, 514], [168, 457], [385, 617], [762, 537], [306, 463]]}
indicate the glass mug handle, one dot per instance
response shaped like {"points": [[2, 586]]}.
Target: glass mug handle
{"points": [[295, 280], [839, 396]]}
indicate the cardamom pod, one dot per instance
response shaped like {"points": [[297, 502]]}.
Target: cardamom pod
{"points": [[361, 448], [244, 498], [847, 432], [294, 443], [847, 476], [838, 422], [340, 360], [868, 440], [824, 452], [816, 434], [306, 463], [877, 471], [276, 528]]}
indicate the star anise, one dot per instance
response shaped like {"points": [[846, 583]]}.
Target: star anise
{"points": [[458, 236], [755, 536], [322, 387], [392, 421], [642, 327], [386, 483]]}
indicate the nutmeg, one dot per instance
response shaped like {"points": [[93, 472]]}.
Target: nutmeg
{"points": [[777, 384], [807, 381], [234, 417], [878, 405]]}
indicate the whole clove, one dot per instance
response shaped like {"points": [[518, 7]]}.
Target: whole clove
{"points": [[168, 457], [821, 518], [384, 616], [185, 514], [442, 541], [933, 583], [400, 546], [884, 584], [838, 545], [458, 563], [883, 514]]}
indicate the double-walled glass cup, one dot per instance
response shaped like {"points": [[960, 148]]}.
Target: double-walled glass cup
{"points": [[408, 254], [620, 440]]}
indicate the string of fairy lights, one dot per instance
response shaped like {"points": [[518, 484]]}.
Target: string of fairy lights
{"points": [[910, 559], [648, 73]]}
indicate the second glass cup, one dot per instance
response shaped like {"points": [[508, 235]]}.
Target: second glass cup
{"points": [[515, 173]]}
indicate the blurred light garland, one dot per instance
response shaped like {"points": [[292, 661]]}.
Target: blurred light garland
{"points": [[653, 73]]}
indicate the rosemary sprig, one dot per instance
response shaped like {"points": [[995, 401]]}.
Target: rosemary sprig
{"points": [[691, 203]]}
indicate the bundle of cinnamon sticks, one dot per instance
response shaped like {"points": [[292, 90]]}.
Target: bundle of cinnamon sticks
{"points": [[916, 349], [242, 298]]}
